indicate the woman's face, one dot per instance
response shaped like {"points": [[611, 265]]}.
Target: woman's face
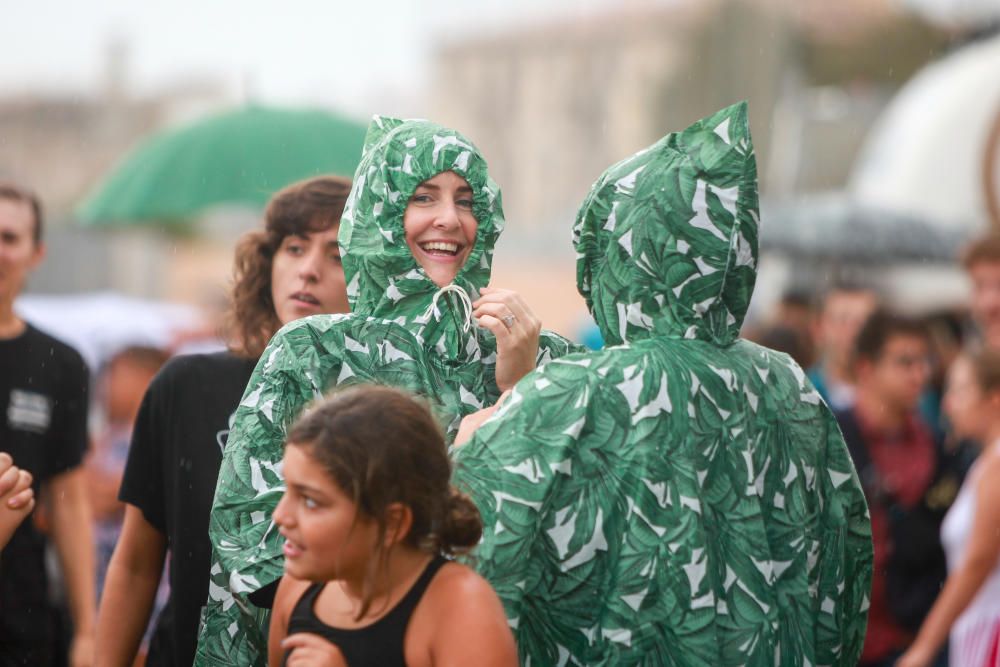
{"points": [[307, 277], [968, 409], [325, 536], [440, 227]]}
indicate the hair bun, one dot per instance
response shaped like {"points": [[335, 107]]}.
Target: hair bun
{"points": [[461, 526]]}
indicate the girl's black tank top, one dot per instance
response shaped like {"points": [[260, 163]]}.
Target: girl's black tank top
{"points": [[377, 645]]}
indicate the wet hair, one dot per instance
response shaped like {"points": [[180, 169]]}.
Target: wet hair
{"points": [[986, 369], [984, 249], [880, 327], [381, 446], [312, 205], [12, 192]]}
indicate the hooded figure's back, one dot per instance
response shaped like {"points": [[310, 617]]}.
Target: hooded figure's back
{"points": [[683, 497], [403, 331]]}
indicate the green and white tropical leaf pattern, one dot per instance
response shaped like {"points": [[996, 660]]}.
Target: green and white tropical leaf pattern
{"points": [[683, 497], [403, 331]]}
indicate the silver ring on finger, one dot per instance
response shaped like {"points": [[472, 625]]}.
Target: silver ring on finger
{"points": [[508, 321]]}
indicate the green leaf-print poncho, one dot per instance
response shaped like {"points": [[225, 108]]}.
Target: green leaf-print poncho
{"points": [[683, 497], [403, 331]]}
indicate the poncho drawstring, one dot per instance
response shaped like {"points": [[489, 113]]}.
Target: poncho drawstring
{"points": [[463, 298]]}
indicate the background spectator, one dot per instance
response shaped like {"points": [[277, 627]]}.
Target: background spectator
{"points": [[122, 384], [904, 473], [843, 310]]}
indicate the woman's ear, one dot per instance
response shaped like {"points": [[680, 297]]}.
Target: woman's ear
{"points": [[398, 522]]}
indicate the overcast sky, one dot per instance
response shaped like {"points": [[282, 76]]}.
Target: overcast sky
{"points": [[293, 52]]}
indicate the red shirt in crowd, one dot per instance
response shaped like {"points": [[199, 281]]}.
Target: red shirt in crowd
{"points": [[905, 461]]}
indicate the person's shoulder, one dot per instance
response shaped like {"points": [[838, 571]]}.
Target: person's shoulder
{"points": [[556, 345], [463, 605], [54, 347], [196, 370], [327, 338], [987, 489], [582, 364], [990, 467], [289, 591], [324, 332], [286, 598], [458, 595], [202, 364], [314, 325], [457, 585]]}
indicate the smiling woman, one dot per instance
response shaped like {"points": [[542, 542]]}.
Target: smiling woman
{"points": [[440, 226], [417, 238]]}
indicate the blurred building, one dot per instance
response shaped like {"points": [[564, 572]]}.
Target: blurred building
{"points": [[61, 146], [553, 105]]}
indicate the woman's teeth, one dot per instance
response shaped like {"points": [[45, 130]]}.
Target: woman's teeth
{"points": [[440, 246]]}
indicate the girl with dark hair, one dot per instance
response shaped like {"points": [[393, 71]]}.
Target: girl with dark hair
{"points": [[289, 269], [368, 506], [968, 607]]}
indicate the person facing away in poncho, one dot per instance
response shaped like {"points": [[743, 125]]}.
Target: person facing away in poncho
{"points": [[683, 497], [417, 239]]}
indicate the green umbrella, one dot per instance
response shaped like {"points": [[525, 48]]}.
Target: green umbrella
{"points": [[242, 156]]}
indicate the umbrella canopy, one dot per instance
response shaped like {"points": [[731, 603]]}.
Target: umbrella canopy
{"points": [[833, 226], [99, 325], [243, 156]]}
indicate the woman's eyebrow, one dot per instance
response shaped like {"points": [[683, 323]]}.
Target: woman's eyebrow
{"points": [[428, 186], [299, 487]]}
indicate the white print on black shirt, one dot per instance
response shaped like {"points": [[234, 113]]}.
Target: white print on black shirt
{"points": [[222, 436], [29, 411]]}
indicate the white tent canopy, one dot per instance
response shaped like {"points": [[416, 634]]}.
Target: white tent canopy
{"points": [[102, 324], [957, 13], [925, 156]]}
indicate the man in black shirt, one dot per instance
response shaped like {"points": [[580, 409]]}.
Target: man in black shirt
{"points": [[170, 477], [43, 425]]}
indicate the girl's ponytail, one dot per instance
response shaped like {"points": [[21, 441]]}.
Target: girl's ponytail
{"points": [[461, 525]]}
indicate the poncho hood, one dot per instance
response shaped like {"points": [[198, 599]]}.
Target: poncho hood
{"points": [[667, 239], [383, 278], [685, 498]]}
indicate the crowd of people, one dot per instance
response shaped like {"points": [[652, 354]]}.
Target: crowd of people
{"points": [[393, 463]]}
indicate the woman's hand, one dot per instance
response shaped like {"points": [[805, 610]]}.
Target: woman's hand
{"points": [[516, 329], [472, 422], [15, 484], [309, 650]]}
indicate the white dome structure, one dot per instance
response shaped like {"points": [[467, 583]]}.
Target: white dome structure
{"points": [[934, 154]]}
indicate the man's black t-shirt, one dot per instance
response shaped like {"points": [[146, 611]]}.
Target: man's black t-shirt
{"points": [[172, 468], [43, 395]]}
